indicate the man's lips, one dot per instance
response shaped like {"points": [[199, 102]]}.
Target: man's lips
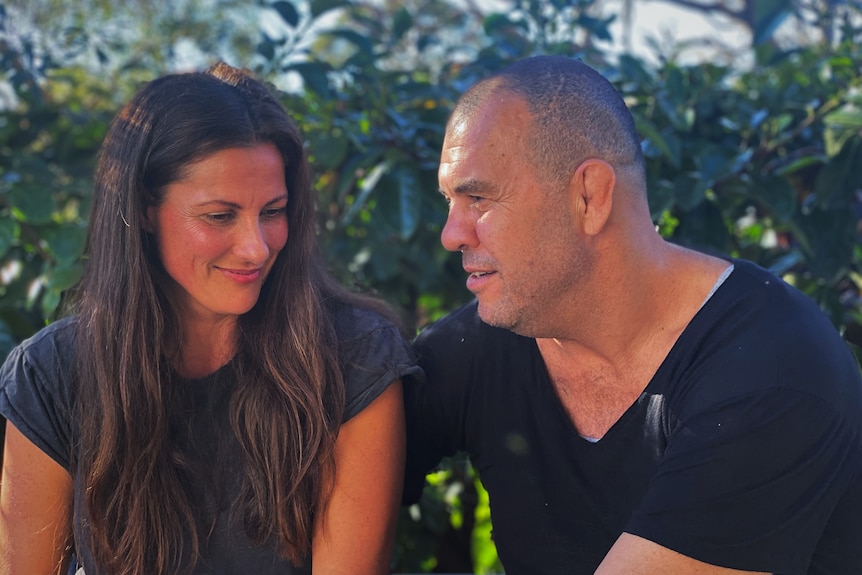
{"points": [[477, 278]]}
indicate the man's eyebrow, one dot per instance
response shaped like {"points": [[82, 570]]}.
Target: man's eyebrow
{"points": [[469, 188]]}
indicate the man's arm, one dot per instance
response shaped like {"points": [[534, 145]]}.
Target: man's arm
{"points": [[633, 555]]}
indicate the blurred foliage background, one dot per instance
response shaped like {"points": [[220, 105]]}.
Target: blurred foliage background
{"points": [[751, 152]]}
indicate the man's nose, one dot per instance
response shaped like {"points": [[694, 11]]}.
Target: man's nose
{"points": [[459, 233]]}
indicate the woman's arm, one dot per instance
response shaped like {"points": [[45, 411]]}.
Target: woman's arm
{"points": [[355, 534], [35, 509]]}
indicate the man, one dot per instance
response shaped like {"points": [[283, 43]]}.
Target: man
{"points": [[632, 407]]}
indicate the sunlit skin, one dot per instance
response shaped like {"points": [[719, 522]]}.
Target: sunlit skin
{"points": [[219, 230], [519, 247]]}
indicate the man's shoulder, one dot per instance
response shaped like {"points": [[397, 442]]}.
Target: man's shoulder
{"points": [[759, 334], [756, 302]]}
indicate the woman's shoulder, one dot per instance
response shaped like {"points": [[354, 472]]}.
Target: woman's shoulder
{"points": [[373, 353], [354, 322], [36, 388], [54, 343]]}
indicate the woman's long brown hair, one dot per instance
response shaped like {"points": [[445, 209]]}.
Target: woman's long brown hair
{"points": [[286, 412]]}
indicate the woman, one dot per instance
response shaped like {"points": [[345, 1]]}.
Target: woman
{"points": [[216, 403]]}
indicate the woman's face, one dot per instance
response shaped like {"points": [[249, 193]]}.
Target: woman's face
{"points": [[220, 228]]}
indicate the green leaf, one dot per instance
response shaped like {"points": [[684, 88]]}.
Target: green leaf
{"points": [[703, 228], [648, 130], [363, 43], [757, 118], [777, 194], [66, 242], [32, 203], [838, 180], [495, 22], [49, 302], [681, 116], [848, 116], [63, 277], [632, 69], [314, 75], [719, 162], [800, 164], [787, 262], [7, 340], [768, 16], [401, 22], [328, 150], [8, 231], [365, 188], [288, 12], [425, 41], [689, 190], [831, 236], [384, 265], [661, 197], [266, 48], [598, 27], [409, 201], [350, 168], [318, 7]]}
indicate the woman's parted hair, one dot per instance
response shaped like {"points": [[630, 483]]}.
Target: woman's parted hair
{"points": [[286, 413]]}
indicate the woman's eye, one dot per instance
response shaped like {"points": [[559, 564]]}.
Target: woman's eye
{"points": [[274, 212], [220, 217]]}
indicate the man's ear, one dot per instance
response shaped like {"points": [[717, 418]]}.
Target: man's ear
{"points": [[592, 189]]}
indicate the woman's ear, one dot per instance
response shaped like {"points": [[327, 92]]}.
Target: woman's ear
{"points": [[149, 217], [592, 189]]}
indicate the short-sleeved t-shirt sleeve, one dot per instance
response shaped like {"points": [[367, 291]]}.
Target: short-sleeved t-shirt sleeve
{"points": [[373, 355], [36, 390]]}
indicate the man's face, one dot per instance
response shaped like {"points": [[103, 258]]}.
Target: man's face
{"points": [[517, 236]]}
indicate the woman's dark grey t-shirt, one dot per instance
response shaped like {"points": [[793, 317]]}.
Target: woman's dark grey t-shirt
{"points": [[37, 394]]}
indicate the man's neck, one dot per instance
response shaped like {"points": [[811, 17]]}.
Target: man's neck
{"points": [[612, 355]]}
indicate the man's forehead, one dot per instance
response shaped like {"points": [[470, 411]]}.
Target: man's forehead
{"points": [[498, 111], [453, 153]]}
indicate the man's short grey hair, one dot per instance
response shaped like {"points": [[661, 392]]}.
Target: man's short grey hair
{"points": [[577, 114]]}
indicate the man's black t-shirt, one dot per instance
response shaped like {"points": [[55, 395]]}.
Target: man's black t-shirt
{"points": [[745, 449]]}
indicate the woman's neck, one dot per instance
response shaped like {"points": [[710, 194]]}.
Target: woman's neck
{"points": [[206, 346]]}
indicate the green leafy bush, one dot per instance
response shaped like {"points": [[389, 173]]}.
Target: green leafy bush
{"points": [[760, 163]]}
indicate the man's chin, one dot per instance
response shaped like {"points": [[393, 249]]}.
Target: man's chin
{"points": [[494, 316]]}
